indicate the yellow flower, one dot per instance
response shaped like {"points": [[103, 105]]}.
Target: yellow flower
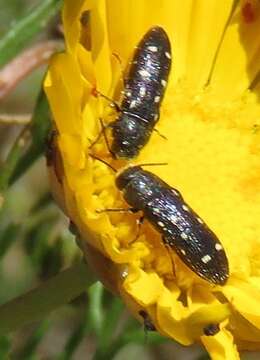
{"points": [[211, 117]]}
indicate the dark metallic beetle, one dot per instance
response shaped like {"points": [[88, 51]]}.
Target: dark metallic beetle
{"points": [[181, 228], [148, 325], [211, 329], [143, 93]]}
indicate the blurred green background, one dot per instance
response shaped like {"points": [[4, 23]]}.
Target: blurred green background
{"points": [[35, 243]]}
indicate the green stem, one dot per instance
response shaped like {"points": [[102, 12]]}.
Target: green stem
{"points": [[25, 29], [12, 160], [38, 303], [96, 315]]}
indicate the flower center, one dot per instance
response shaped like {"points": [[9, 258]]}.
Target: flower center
{"points": [[212, 151]]}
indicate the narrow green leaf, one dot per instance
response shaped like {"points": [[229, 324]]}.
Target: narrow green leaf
{"points": [[75, 339], [26, 28], [40, 127], [36, 239], [52, 260], [29, 350], [8, 237], [38, 303], [45, 200], [41, 123], [19, 160], [11, 161], [5, 347], [96, 315], [113, 314]]}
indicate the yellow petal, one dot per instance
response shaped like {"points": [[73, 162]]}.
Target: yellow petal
{"points": [[71, 15], [64, 85], [207, 25], [147, 287], [221, 346], [100, 47], [238, 60], [245, 298], [174, 16]]}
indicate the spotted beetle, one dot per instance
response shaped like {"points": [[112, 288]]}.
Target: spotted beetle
{"points": [[142, 95], [181, 228]]}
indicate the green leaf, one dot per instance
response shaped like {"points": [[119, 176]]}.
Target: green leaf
{"points": [[26, 28], [113, 314], [29, 350], [37, 238], [18, 160], [75, 339], [44, 201], [96, 315], [38, 303], [52, 260], [5, 347], [40, 128], [11, 161], [8, 237]]}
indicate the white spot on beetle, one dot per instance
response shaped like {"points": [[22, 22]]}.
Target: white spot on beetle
{"points": [[128, 93], [174, 218], [144, 73], [184, 236], [148, 62], [156, 210], [132, 104], [153, 48], [142, 91], [175, 192], [156, 116], [163, 82], [185, 208], [183, 251], [200, 220], [218, 247], [205, 259], [157, 99], [124, 273], [167, 54], [160, 223]]}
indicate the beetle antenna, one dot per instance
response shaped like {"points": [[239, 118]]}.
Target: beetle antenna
{"points": [[153, 164], [104, 162]]}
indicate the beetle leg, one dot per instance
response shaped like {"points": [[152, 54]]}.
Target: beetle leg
{"points": [[132, 210]]}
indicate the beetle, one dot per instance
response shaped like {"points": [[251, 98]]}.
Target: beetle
{"points": [[211, 329], [148, 324], [142, 95], [182, 229]]}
